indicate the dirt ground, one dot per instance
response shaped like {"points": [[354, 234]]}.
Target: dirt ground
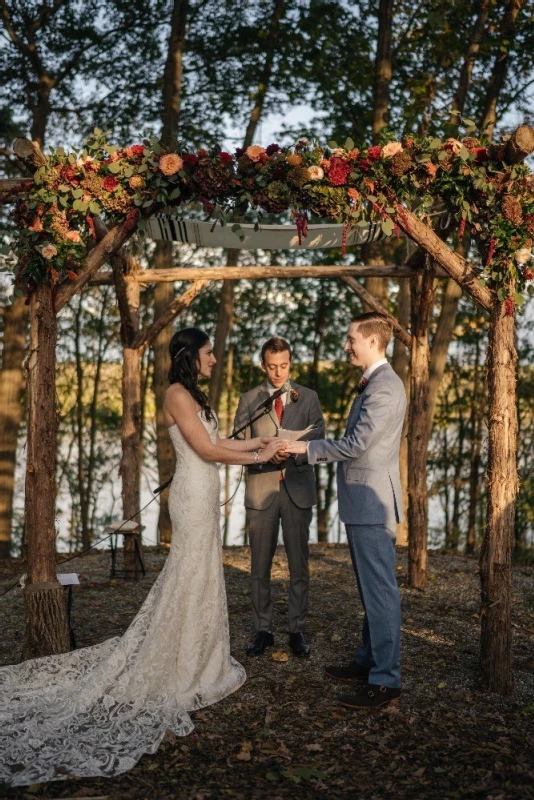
{"points": [[283, 735]]}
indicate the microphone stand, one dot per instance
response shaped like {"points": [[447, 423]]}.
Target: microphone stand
{"points": [[265, 409]]}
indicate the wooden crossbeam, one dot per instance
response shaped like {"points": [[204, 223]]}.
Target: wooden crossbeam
{"points": [[257, 273]]}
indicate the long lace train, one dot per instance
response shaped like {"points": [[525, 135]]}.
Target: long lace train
{"points": [[96, 711]]}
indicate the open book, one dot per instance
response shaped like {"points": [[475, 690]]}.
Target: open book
{"points": [[293, 436]]}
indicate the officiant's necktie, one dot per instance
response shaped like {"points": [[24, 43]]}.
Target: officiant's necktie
{"points": [[279, 409]]}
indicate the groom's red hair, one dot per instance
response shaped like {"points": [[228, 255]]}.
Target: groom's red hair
{"points": [[374, 324]]}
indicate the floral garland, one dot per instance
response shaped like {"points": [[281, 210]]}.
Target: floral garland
{"points": [[491, 200]]}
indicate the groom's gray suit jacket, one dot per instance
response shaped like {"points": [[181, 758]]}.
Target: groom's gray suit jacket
{"points": [[368, 479], [263, 482]]}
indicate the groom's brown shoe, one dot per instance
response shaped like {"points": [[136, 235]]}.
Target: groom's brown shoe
{"points": [[261, 641], [371, 696], [350, 672]]}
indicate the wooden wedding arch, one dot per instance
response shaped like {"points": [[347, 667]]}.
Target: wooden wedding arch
{"points": [[380, 190]]}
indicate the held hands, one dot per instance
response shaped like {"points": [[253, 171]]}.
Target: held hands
{"points": [[296, 448], [273, 445]]}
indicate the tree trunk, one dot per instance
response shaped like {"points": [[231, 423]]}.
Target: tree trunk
{"points": [[455, 532], [422, 300], [11, 410], [225, 321], [401, 365], [163, 296], [172, 75], [440, 343], [46, 629], [476, 442], [496, 554], [464, 80], [383, 68], [496, 82], [226, 307]]}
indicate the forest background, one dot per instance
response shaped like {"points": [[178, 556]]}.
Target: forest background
{"points": [[237, 73]]}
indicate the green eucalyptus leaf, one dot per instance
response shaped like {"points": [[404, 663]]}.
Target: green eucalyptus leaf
{"points": [[387, 227], [114, 167], [349, 144], [94, 207]]}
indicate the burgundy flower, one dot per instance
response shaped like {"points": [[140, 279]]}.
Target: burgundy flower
{"points": [[190, 159], [364, 165], [226, 158], [272, 148], [339, 171], [374, 153], [110, 183]]}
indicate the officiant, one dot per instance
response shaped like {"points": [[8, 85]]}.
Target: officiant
{"points": [[281, 491]]}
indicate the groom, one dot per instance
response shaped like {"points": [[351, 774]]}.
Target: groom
{"points": [[280, 491], [370, 505]]}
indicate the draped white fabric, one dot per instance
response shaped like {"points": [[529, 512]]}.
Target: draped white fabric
{"points": [[96, 711]]}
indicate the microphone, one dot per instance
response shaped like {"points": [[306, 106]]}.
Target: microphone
{"points": [[270, 400]]}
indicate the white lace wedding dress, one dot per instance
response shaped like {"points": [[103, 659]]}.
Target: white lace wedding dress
{"points": [[96, 711]]}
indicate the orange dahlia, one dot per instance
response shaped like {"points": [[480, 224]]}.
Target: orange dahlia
{"points": [[170, 164]]}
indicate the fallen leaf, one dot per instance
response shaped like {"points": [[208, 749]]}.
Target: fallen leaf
{"points": [[280, 656], [335, 638]]}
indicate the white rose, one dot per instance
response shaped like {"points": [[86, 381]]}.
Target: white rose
{"points": [[391, 149], [523, 255]]}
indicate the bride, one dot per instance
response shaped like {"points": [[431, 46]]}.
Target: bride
{"points": [[96, 711]]}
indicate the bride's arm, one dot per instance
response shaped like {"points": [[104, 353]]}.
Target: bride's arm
{"points": [[245, 445], [181, 407]]}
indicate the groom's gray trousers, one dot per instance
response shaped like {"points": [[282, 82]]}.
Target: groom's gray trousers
{"points": [[372, 549]]}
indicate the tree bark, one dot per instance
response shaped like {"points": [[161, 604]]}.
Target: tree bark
{"points": [[46, 630], [455, 530], [401, 365], [422, 301], [172, 75], [496, 82], [496, 554], [11, 410]]}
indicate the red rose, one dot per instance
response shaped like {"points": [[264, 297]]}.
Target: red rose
{"points": [[339, 171], [190, 159], [374, 153], [110, 183], [529, 275], [137, 149], [480, 153], [226, 158], [67, 175]]}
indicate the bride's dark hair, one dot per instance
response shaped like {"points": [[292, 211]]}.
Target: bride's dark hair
{"points": [[183, 350]]}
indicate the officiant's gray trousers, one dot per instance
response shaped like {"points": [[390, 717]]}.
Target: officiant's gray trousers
{"points": [[263, 538], [372, 549]]}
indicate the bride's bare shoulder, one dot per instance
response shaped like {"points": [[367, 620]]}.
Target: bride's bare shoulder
{"points": [[176, 396]]}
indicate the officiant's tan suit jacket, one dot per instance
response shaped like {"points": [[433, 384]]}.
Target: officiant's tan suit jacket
{"points": [[263, 482]]}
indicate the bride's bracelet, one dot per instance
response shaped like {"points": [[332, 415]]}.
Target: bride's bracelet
{"points": [[256, 454]]}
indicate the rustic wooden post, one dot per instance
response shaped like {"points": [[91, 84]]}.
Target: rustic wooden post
{"points": [[496, 661], [46, 629], [422, 302]]}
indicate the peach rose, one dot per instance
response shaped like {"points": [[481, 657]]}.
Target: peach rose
{"points": [[522, 256], [315, 173], [391, 149], [254, 152], [294, 159], [36, 226], [73, 236], [170, 164], [49, 251], [431, 168], [454, 145], [136, 182]]}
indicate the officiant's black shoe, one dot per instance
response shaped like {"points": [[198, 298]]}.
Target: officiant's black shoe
{"points": [[351, 672], [261, 641], [371, 696], [298, 644]]}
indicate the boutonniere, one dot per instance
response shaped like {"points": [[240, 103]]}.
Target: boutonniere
{"points": [[361, 386], [294, 396]]}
